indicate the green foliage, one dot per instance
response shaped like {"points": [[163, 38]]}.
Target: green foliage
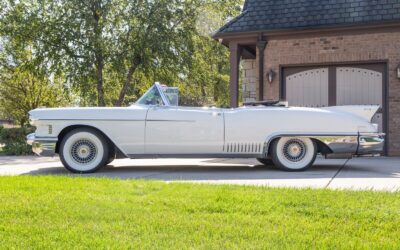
{"points": [[17, 149], [106, 52], [22, 90], [26, 79], [98, 213], [14, 140]]}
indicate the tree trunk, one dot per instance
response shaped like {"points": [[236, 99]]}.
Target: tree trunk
{"points": [[126, 84], [98, 50], [99, 83]]}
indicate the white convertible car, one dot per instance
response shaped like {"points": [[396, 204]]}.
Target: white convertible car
{"points": [[87, 139]]}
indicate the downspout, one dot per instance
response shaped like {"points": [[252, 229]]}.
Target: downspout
{"points": [[261, 44]]}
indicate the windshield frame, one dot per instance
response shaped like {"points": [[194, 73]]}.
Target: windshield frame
{"points": [[160, 91]]}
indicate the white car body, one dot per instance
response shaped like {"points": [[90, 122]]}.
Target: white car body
{"points": [[150, 131]]}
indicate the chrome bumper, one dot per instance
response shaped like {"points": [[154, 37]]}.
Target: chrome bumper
{"points": [[43, 146], [370, 143], [361, 144]]}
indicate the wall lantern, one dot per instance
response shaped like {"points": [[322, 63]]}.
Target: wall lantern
{"points": [[398, 71], [270, 75]]}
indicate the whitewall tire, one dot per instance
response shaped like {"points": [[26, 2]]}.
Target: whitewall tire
{"points": [[84, 150], [293, 153]]}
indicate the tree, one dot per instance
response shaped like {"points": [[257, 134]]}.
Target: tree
{"points": [[207, 80], [22, 90], [108, 51], [25, 81], [94, 41]]}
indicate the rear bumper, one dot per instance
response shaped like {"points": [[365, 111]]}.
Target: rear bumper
{"points": [[43, 146], [370, 143]]}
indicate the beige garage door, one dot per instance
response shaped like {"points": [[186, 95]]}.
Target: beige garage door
{"points": [[356, 86], [308, 88]]}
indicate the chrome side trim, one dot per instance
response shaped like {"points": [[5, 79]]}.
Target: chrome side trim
{"points": [[189, 156], [153, 120], [112, 120], [42, 146]]}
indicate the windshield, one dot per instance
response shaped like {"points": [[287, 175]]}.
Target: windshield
{"points": [[151, 97], [159, 95]]}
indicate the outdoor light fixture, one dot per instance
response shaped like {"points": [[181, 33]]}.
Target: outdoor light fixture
{"points": [[398, 71], [270, 75]]}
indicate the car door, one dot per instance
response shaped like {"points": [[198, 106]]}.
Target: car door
{"points": [[184, 131]]}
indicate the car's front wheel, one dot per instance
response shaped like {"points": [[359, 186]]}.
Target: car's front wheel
{"points": [[84, 150], [293, 153]]}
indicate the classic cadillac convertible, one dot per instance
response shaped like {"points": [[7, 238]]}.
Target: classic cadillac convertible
{"points": [[87, 139]]}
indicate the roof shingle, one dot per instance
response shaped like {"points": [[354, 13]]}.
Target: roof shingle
{"points": [[291, 14]]}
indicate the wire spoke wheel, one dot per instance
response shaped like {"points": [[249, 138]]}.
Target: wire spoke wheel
{"points": [[294, 150], [83, 151], [293, 153]]}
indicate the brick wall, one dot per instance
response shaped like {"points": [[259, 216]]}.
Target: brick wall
{"points": [[335, 49]]}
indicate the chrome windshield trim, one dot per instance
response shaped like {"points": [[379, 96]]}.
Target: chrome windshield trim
{"points": [[160, 90]]}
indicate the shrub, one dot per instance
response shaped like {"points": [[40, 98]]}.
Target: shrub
{"points": [[14, 140]]}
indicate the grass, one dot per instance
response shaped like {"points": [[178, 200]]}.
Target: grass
{"points": [[64, 212]]}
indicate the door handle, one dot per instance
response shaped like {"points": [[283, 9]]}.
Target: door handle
{"points": [[216, 113]]}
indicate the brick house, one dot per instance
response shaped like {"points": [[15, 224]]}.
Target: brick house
{"points": [[317, 53]]}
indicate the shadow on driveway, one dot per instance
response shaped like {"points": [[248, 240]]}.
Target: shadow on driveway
{"points": [[237, 170]]}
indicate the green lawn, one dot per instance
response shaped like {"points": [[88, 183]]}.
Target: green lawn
{"points": [[66, 212]]}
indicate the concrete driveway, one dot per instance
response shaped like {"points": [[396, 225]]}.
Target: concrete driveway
{"points": [[378, 173]]}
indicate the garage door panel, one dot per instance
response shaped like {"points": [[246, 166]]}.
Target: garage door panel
{"points": [[356, 86], [308, 88]]}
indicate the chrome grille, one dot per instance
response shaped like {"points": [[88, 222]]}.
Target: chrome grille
{"points": [[249, 147]]}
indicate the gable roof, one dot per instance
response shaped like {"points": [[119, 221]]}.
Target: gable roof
{"points": [[269, 15]]}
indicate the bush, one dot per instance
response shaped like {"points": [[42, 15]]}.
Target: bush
{"points": [[14, 140]]}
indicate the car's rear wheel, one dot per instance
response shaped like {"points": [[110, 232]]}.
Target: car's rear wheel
{"points": [[84, 150], [293, 153], [265, 161], [111, 156]]}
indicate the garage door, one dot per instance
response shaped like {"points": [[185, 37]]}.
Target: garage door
{"points": [[329, 86]]}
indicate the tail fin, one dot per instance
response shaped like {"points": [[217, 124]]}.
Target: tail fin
{"points": [[364, 111]]}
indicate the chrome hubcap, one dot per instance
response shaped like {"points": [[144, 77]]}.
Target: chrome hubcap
{"points": [[294, 150], [83, 151]]}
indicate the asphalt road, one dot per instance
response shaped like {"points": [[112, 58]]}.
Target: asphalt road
{"points": [[379, 173]]}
